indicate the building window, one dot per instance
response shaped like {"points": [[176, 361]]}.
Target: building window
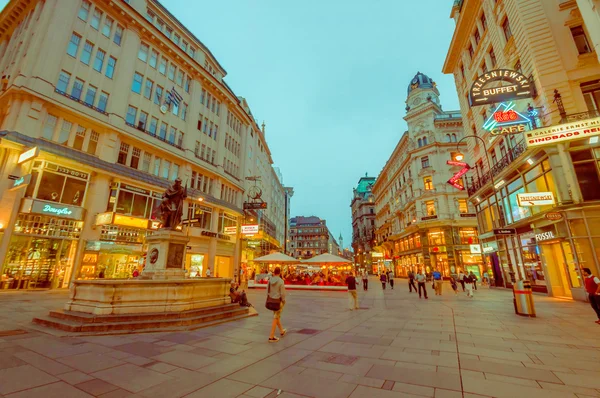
{"points": [[428, 183], [136, 86], [118, 35], [77, 88], [493, 57], [123, 151], [148, 88], [93, 144], [581, 41], [202, 96], [84, 10], [153, 125], [135, 158], [143, 120], [103, 101], [110, 67], [131, 115], [425, 162], [163, 131], [171, 73], [162, 67], [107, 27], [65, 132], [591, 94], [174, 171], [143, 52], [146, 162], [96, 17], [99, 60], [187, 83], [462, 206], [86, 54], [49, 127], [73, 45], [183, 111], [153, 59], [90, 96], [63, 81], [158, 94], [79, 138], [172, 135], [165, 169], [179, 79], [586, 163], [506, 29], [156, 166], [430, 207]]}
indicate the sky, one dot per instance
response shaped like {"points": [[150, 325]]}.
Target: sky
{"points": [[329, 78]]}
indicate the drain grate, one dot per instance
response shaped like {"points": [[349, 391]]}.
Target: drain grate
{"points": [[308, 331], [5, 333], [341, 360]]}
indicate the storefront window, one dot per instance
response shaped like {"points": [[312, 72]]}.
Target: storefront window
{"points": [[573, 272], [518, 212], [532, 262], [418, 240], [134, 201], [485, 219], [57, 184], [468, 236], [201, 213], [577, 227], [436, 237]]}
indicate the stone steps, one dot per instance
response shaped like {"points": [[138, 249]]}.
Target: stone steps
{"points": [[88, 324]]}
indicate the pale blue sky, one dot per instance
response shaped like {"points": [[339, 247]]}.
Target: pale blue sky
{"points": [[329, 78]]}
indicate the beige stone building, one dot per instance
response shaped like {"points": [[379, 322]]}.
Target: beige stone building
{"points": [[115, 100], [554, 45], [310, 236], [422, 222], [363, 223]]}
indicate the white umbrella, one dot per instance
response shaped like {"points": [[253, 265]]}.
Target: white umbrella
{"points": [[327, 258], [276, 258]]}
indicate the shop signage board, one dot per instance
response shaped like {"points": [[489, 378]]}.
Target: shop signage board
{"points": [[468, 215], [554, 216], [454, 180], [129, 221], [20, 182], [52, 209], [104, 218], [488, 249], [484, 92], [563, 132], [428, 218], [505, 231], [249, 229], [255, 205], [153, 224], [28, 155], [376, 255], [535, 199], [505, 120], [230, 230], [475, 249], [67, 171], [544, 236]]}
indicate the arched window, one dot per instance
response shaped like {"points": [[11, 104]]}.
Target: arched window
{"points": [[424, 140], [419, 143], [448, 138], [453, 137]]}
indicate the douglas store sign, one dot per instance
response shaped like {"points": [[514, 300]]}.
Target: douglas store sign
{"points": [[563, 132], [52, 209]]}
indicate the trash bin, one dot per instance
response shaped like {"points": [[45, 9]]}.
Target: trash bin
{"points": [[523, 298]]}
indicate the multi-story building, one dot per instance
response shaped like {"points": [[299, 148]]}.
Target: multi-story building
{"points": [[113, 102], [363, 223], [535, 188], [309, 237], [289, 192], [421, 220], [333, 246]]}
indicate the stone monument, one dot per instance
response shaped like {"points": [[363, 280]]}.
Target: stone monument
{"points": [[166, 247]]}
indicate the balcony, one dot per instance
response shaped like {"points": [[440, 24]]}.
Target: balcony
{"points": [[80, 101], [477, 183], [576, 117], [163, 139]]}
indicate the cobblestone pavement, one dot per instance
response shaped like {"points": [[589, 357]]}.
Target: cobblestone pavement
{"points": [[396, 345]]}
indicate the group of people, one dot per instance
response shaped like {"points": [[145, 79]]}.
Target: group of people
{"points": [[468, 282]]}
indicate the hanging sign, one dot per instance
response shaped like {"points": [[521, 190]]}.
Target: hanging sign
{"points": [[483, 91], [454, 181], [563, 132], [475, 249], [505, 120], [535, 199], [553, 216], [249, 229], [20, 182], [28, 155], [230, 230]]}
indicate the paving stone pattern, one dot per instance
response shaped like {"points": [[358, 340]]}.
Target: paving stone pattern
{"points": [[397, 345]]}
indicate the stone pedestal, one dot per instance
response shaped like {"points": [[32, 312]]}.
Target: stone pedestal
{"points": [[166, 254]]}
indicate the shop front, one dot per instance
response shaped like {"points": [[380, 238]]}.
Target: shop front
{"points": [[111, 259], [44, 240]]}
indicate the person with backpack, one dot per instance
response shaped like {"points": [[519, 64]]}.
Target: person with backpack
{"points": [[592, 287], [454, 284], [276, 302]]}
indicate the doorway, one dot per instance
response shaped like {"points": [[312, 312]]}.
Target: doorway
{"points": [[557, 268]]}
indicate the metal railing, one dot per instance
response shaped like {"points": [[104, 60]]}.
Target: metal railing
{"points": [[80, 101], [575, 117], [163, 139]]}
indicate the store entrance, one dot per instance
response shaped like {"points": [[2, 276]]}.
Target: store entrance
{"points": [[558, 280], [35, 262]]}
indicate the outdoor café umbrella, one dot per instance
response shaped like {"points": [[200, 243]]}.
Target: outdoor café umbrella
{"points": [[327, 259], [276, 258]]}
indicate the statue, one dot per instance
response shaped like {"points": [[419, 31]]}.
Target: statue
{"points": [[171, 207]]}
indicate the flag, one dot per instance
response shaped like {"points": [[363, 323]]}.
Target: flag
{"points": [[174, 97]]}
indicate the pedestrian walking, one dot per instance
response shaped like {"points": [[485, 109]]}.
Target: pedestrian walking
{"points": [[275, 303], [437, 282], [421, 280], [454, 284], [383, 279], [592, 287], [468, 285], [411, 282], [473, 280], [352, 296], [391, 279], [365, 279], [208, 272], [461, 279]]}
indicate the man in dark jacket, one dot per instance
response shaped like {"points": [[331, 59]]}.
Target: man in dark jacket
{"points": [[411, 282]]}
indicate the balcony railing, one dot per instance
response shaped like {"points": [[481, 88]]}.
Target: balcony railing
{"points": [[477, 183], [575, 117], [163, 139], [80, 101]]}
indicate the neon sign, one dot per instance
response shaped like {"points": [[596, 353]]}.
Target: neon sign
{"points": [[454, 180], [505, 120], [518, 87]]}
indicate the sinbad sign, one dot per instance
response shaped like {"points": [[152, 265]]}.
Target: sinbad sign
{"points": [[563, 132]]}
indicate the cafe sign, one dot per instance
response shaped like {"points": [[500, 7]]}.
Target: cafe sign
{"points": [[506, 120], [52, 209], [516, 86], [563, 132], [535, 199]]}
